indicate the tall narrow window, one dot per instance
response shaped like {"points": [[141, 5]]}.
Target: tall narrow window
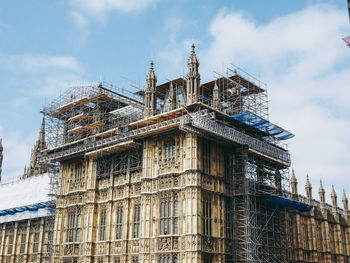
{"points": [[70, 227], [228, 220], [78, 172], [119, 226], [206, 157], [78, 229], [136, 221], [23, 243], [10, 244], [168, 217], [103, 215], [306, 235], [36, 242], [343, 237], [320, 240], [170, 151], [207, 218], [176, 217]]}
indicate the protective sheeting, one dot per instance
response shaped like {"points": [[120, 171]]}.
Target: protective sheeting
{"points": [[24, 199], [263, 125], [26, 192], [290, 204]]}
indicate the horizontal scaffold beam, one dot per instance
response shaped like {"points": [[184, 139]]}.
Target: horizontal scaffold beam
{"points": [[206, 123]]}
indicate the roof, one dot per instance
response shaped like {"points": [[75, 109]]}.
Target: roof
{"points": [[26, 198], [263, 125]]}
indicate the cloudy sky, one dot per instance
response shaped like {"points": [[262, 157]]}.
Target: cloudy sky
{"points": [[294, 46]]}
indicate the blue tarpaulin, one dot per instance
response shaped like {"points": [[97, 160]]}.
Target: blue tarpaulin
{"points": [[290, 204], [31, 208], [263, 125]]}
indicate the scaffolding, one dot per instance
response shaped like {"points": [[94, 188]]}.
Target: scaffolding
{"points": [[102, 121]]}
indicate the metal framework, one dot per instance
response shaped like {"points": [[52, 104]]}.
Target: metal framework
{"points": [[101, 121]]}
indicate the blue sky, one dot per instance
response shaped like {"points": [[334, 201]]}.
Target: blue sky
{"points": [[293, 46]]}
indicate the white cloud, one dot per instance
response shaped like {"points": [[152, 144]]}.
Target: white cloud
{"points": [[38, 63], [303, 59], [100, 7]]}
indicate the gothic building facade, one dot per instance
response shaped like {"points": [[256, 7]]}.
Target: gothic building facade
{"points": [[179, 172]]}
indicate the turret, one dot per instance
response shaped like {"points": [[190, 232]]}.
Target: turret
{"points": [[216, 100], [321, 193], [150, 94], [39, 146], [294, 183], [345, 205], [334, 201], [171, 101], [192, 78], [308, 190]]}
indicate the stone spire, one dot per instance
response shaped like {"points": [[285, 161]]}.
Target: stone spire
{"points": [[308, 190], [192, 78], [1, 157], [150, 94], [216, 100], [39, 146], [171, 101], [334, 201], [294, 183], [322, 193], [345, 205]]}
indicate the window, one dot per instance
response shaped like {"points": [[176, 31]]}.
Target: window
{"points": [[135, 260], [73, 227], [136, 221], [319, 237], [306, 235], [23, 243], [70, 260], [167, 259], [103, 215], [119, 223], [117, 260], [10, 244], [332, 240], [170, 151], [206, 157], [208, 259], [169, 217], [100, 260], [228, 220], [343, 237], [36, 242], [207, 218], [77, 233], [78, 172]]}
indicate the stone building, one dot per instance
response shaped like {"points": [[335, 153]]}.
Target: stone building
{"points": [[178, 172]]}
